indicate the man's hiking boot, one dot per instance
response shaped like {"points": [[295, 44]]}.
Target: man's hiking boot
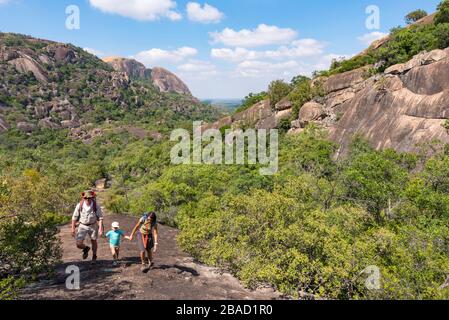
{"points": [[85, 253]]}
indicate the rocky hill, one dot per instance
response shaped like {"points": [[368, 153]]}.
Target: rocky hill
{"points": [[403, 107], [161, 78], [50, 85], [400, 106]]}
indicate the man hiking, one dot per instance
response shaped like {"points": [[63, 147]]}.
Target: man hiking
{"points": [[147, 236], [90, 218]]}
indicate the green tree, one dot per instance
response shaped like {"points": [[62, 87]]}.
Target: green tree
{"points": [[300, 94], [442, 15], [278, 90], [414, 16]]}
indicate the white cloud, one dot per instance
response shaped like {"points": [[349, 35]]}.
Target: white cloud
{"points": [[197, 69], [205, 14], [95, 52], [237, 54], [174, 16], [257, 68], [369, 38], [263, 35], [144, 10], [298, 49], [194, 66], [155, 55]]}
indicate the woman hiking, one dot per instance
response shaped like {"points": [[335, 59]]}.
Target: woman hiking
{"points": [[147, 236]]}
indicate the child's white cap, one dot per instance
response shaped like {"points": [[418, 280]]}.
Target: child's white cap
{"points": [[115, 225]]}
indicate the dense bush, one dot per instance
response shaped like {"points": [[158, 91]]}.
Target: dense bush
{"points": [[325, 224], [30, 210], [442, 15]]}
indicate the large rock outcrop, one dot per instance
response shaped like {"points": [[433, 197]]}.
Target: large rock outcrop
{"points": [[133, 68], [168, 82], [399, 110], [25, 64], [161, 78], [403, 108]]}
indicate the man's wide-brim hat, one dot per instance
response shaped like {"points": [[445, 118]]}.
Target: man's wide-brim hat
{"points": [[89, 194]]}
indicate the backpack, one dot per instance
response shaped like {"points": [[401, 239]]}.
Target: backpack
{"points": [[145, 218], [94, 203]]}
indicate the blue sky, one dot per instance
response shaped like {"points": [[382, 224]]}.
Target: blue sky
{"points": [[224, 49]]}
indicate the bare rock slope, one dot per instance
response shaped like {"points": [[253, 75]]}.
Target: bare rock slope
{"points": [[131, 67], [168, 82], [403, 107]]}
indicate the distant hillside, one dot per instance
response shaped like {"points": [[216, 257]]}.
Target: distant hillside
{"points": [[161, 78], [50, 85]]}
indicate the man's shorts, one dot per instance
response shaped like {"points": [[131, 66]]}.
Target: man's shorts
{"points": [[84, 231]]}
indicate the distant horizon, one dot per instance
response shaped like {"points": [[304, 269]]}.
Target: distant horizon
{"points": [[222, 99]]}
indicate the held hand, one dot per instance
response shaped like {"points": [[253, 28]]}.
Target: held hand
{"points": [[129, 238]]}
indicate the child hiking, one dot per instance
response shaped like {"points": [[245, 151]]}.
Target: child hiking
{"points": [[147, 236], [115, 237]]}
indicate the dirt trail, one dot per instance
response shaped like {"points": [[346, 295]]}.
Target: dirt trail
{"points": [[175, 276]]}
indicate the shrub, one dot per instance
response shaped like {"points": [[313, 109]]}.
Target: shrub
{"points": [[277, 91], [29, 244], [301, 94], [251, 100], [442, 34], [9, 287]]}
